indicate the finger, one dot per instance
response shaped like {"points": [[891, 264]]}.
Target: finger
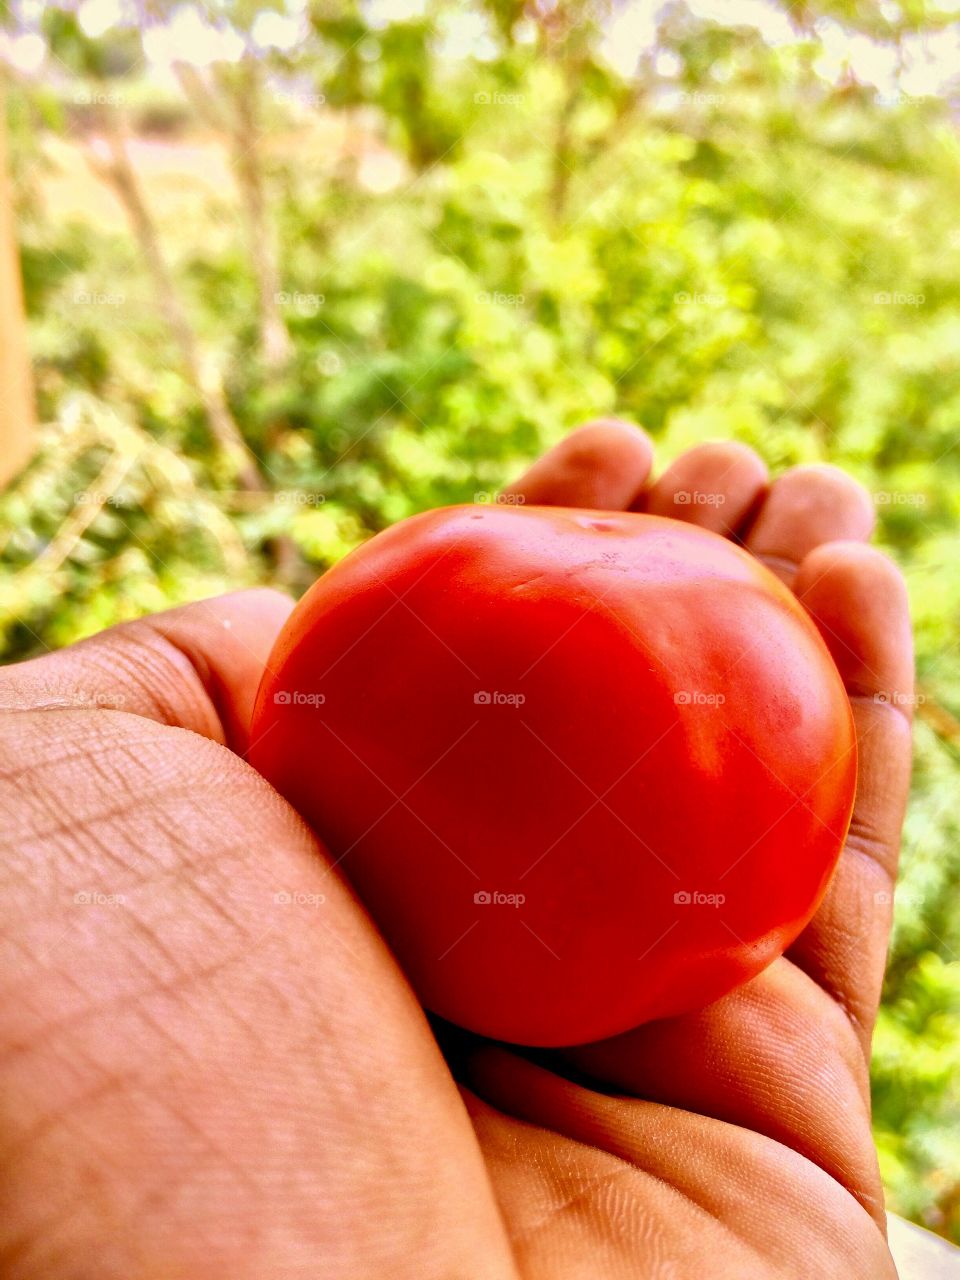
{"points": [[859, 602], [568, 1163], [602, 465], [775, 1057], [804, 508], [197, 666], [716, 486]]}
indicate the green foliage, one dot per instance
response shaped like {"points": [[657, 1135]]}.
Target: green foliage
{"points": [[739, 249], [916, 1062]]}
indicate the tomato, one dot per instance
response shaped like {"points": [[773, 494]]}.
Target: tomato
{"points": [[585, 769]]}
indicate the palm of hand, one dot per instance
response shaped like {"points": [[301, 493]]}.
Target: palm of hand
{"points": [[212, 1065]]}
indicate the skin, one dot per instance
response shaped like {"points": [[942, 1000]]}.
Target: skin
{"points": [[200, 1081]]}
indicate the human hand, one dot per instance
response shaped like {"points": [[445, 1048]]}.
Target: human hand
{"points": [[734, 1141], [201, 1080]]}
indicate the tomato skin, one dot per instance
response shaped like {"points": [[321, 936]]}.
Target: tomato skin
{"points": [[645, 816]]}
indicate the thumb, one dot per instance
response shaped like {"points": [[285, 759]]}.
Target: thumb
{"points": [[197, 667]]}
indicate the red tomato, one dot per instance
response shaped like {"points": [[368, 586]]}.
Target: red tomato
{"points": [[585, 769]]}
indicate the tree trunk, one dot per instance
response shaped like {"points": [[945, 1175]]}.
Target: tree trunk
{"points": [[17, 422], [206, 381], [563, 157], [119, 172], [239, 120], [275, 343]]}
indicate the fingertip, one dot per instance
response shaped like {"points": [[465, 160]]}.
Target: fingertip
{"points": [[262, 608], [805, 507], [603, 464], [857, 563], [738, 455], [858, 598], [715, 485], [264, 600], [857, 500], [236, 630]]}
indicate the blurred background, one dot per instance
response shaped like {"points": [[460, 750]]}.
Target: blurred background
{"points": [[294, 270]]}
